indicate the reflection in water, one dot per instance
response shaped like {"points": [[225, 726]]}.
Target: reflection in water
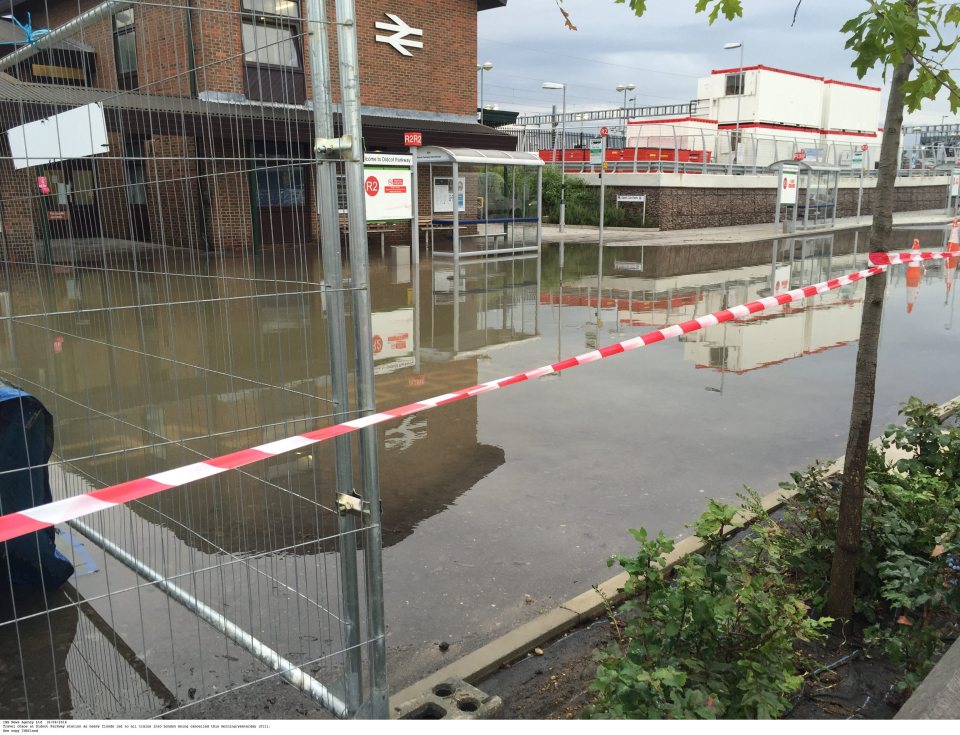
{"points": [[151, 366]]}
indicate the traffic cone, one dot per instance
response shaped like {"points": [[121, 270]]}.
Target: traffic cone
{"points": [[913, 280], [950, 264]]}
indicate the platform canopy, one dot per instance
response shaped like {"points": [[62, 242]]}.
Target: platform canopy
{"points": [[438, 154]]}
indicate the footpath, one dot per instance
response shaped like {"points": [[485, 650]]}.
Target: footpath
{"points": [[631, 236], [938, 697]]}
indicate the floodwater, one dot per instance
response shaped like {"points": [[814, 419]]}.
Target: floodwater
{"points": [[495, 509]]}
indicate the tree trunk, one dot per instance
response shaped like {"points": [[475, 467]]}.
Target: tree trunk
{"points": [[840, 597]]}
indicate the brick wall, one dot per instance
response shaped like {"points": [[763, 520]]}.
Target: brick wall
{"points": [[226, 187], [112, 193], [161, 39], [440, 77], [172, 196], [19, 206], [674, 208]]}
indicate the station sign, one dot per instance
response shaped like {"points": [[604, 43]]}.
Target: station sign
{"points": [[857, 159], [597, 148], [413, 139], [788, 184], [387, 182], [634, 198]]}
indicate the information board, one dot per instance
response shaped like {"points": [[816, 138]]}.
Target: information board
{"points": [[443, 194], [788, 184]]}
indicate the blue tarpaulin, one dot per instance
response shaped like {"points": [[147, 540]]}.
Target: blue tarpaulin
{"points": [[26, 443]]}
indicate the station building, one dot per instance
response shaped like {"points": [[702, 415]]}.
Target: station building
{"points": [[209, 115]]}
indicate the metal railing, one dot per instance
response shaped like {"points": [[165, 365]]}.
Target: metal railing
{"points": [[693, 150]]}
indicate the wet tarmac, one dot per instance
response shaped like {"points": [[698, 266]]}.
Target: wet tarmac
{"points": [[494, 509]]}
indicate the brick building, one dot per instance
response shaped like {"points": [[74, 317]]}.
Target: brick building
{"points": [[207, 106]]}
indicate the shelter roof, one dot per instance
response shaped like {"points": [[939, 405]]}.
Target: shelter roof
{"points": [[437, 154]]}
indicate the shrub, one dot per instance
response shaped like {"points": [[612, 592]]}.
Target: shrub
{"points": [[716, 640]]}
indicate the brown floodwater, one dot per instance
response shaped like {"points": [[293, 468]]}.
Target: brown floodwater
{"points": [[495, 509]]}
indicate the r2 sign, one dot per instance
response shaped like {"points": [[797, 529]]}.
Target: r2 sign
{"points": [[372, 186], [604, 131], [412, 140]]}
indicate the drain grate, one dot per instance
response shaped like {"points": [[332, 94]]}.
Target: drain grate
{"points": [[452, 700]]}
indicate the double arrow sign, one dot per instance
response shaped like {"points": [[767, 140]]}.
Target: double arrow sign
{"points": [[400, 38]]}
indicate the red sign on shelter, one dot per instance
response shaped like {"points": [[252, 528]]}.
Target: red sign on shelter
{"points": [[412, 140]]}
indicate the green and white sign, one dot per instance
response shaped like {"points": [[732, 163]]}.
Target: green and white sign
{"points": [[597, 148]]}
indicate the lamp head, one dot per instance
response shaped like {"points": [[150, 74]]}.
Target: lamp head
{"points": [[553, 85], [485, 66], [732, 45]]}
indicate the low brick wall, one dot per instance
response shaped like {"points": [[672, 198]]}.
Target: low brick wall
{"points": [[683, 208]]}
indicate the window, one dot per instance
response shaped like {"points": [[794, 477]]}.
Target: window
{"points": [[271, 30], [135, 170], [734, 84], [125, 49], [272, 51], [273, 45], [281, 187]]}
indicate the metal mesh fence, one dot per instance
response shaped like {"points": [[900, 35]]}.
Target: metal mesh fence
{"points": [[165, 301]]}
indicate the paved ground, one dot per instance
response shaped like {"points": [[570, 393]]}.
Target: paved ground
{"points": [[719, 235]]}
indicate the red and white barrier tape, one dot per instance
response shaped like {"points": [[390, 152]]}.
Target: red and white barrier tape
{"points": [[17, 524], [911, 256]]}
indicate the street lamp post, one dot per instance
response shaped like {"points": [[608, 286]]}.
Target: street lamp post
{"points": [[741, 88], [625, 88], [481, 68], [563, 155]]}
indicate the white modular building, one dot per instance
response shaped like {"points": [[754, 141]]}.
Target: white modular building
{"points": [[757, 115]]}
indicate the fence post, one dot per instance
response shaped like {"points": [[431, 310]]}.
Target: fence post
{"points": [[329, 222], [360, 273]]}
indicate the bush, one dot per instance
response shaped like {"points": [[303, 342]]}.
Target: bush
{"points": [[717, 639], [583, 203]]}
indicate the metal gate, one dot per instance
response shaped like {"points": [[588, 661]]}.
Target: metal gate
{"points": [[141, 303]]}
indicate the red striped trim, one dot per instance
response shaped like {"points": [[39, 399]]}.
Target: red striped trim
{"points": [[761, 67], [794, 128], [650, 121], [851, 84]]}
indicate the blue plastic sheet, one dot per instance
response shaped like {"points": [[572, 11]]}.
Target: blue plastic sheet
{"points": [[26, 443]]}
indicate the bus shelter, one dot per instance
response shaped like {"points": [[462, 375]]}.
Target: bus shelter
{"points": [[806, 194], [482, 203]]}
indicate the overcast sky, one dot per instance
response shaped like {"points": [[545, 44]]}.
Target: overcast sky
{"points": [[663, 53]]}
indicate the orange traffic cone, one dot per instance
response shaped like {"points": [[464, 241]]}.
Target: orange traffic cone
{"points": [[950, 264], [913, 280]]}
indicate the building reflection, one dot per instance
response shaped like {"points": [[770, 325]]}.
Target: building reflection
{"points": [[147, 370], [650, 288]]}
